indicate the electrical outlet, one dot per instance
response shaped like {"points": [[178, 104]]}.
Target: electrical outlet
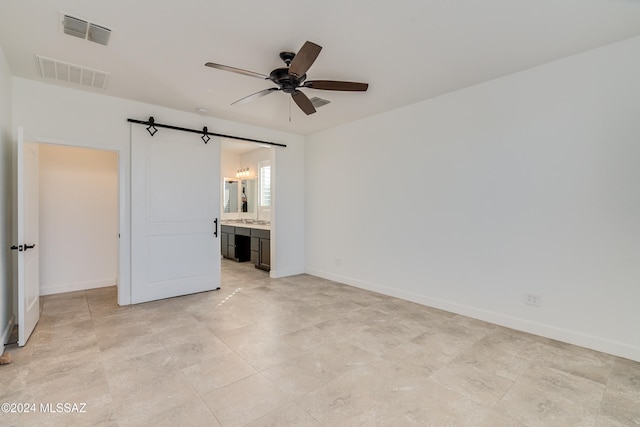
{"points": [[532, 299]]}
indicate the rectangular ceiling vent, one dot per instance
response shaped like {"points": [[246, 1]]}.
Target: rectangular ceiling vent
{"points": [[70, 73], [98, 34], [83, 29], [319, 102]]}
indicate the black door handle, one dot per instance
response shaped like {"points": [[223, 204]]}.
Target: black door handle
{"points": [[18, 248], [215, 233], [27, 247]]}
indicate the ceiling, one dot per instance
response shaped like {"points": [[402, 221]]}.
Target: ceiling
{"points": [[407, 50]]}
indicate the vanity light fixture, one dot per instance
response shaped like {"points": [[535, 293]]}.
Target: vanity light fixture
{"points": [[244, 172]]}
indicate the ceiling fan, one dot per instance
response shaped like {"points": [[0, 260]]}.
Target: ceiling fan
{"points": [[291, 78]]}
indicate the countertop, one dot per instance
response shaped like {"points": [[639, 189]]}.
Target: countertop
{"points": [[259, 225]]}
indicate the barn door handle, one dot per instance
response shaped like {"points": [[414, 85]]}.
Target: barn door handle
{"points": [[27, 247], [215, 233], [16, 248]]}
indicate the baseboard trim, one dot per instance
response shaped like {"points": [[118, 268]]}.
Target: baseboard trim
{"points": [[71, 287], [277, 274], [541, 329]]}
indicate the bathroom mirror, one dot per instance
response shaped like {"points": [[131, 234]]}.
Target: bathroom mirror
{"points": [[230, 201], [240, 196], [248, 195]]}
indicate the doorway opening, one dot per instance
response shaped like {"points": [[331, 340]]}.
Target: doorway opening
{"points": [[246, 204], [78, 216]]}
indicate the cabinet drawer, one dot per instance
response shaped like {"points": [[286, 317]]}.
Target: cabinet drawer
{"points": [[227, 229], [263, 234], [243, 231]]}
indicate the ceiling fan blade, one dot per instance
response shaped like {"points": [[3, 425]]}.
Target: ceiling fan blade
{"points": [[236, 70], [303, 102], [255, 95], [336, 85], [304, 59]]}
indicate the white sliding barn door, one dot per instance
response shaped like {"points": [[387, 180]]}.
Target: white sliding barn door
{"points": [[175, 204]]}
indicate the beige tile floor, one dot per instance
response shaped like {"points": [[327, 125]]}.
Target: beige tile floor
{"points": [[302, 351]]}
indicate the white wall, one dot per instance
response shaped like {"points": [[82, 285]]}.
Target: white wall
{"points": [[287, 199], [228, 163], [252, 158], [528, 184], [6, 155], [232, 161], [78, 218], [72, 117]]}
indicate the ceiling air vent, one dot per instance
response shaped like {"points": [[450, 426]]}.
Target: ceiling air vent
{"points": [[319, 102], [74, 26], [78, 27], [98, 34], [70, 73]]}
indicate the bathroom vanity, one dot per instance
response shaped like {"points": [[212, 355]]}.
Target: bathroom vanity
{"points": [[244, 237], [244, 240]]}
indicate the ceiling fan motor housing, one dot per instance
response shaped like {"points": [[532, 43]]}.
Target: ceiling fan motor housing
{"points": [[287, 57], [287, 82], [292, 77]]}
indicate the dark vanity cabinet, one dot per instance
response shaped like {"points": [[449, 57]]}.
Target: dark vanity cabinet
{"points": [[243, 244], [225, 230], [261, 248], [235, 243]]}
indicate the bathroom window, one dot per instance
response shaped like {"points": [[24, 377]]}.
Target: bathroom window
{"points": [[265, 184]]}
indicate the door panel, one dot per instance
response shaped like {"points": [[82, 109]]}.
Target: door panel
{"points": [[175, 193], [192, 249], [28, 238], [179, 174]]}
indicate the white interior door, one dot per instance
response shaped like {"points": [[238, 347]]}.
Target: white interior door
{"points": [[175, 204], [28, 250]]}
